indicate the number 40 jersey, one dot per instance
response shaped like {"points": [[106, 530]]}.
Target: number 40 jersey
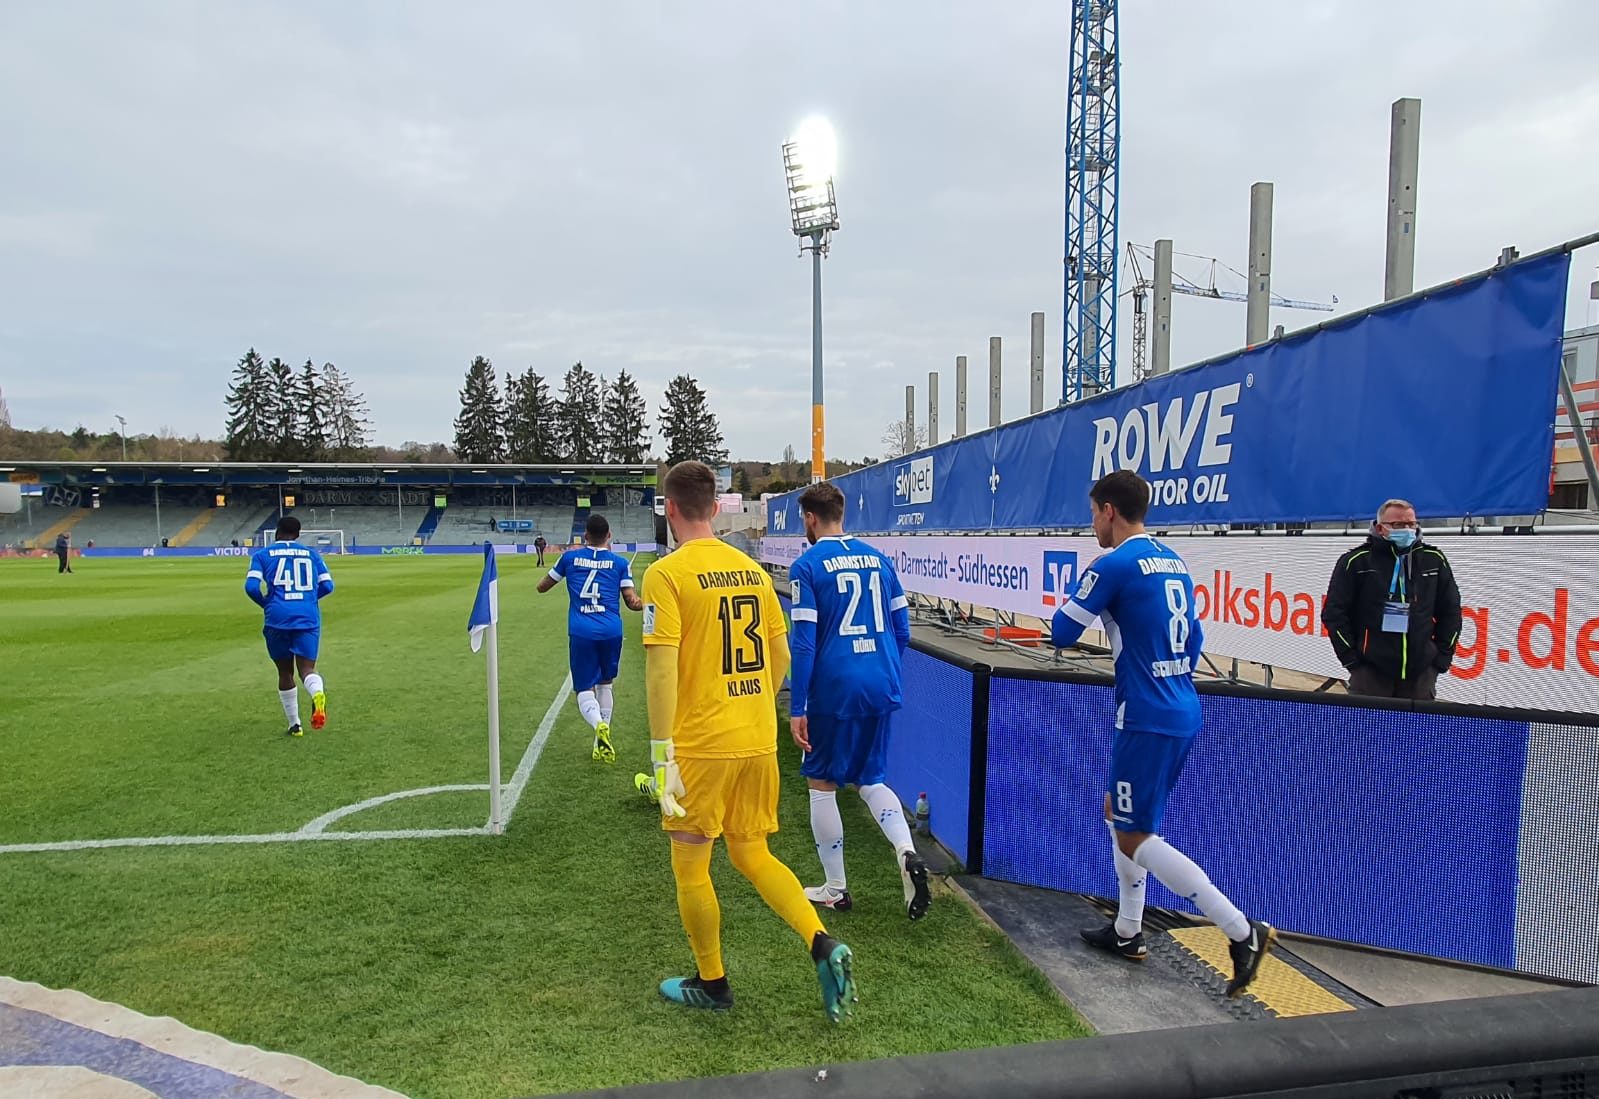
{"points": [[852, 614], [287, 579]]}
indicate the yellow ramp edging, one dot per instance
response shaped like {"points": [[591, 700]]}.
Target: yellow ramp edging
{"points": [[1280, 988], [47, 537], [194, 526]]}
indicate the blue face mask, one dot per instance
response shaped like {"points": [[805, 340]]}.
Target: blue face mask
{"points": [[1404, 537]]}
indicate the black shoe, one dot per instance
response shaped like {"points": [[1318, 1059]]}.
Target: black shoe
{"points": [[913, 872], [295, 730], [1248, 955], [1106, 939]]}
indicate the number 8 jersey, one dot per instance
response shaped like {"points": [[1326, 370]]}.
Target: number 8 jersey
{"points": [[294, 579], [861, 618], [1142, 593], [718, 609]]}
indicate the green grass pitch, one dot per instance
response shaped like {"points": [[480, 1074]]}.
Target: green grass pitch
{"points": [[139, 702]]}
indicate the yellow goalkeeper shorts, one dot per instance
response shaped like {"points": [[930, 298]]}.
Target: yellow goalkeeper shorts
{"points": [[734, 797]]}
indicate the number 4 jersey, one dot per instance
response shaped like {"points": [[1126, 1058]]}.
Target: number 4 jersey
{"points": [[594, 581], [718, 608], [294, 579], [1142, 593], [851, 626]]}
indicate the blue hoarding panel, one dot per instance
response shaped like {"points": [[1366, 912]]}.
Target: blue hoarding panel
{"points": [[1458, 389], [930, 748], [1398, 830]]}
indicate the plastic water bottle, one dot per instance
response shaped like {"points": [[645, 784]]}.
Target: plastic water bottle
{"points": [[921, 813]]}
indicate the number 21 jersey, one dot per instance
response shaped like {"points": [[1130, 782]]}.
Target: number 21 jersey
{"points": [[718, 608]]}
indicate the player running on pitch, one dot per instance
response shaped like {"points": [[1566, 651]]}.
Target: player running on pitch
{"points": [[598, 582], [851, 627], [716, 651], [289, 581], [1143, 595]]}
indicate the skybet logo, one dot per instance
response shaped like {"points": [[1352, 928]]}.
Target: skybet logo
{"points": [[1158, 438], [913, 482], [1060, 576]]}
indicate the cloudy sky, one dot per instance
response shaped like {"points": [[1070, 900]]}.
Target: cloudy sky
{"points": [[399, 186]]}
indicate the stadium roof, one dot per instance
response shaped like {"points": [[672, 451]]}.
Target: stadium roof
{"points": [[247, 474]]}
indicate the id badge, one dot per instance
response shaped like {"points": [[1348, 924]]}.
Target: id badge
{"points": [[1395, 617]]}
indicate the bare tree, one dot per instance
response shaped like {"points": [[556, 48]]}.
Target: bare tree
{"points": [[899, 439]]}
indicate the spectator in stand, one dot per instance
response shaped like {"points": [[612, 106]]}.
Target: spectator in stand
{"points": [[1393, 609], [63, 547]]}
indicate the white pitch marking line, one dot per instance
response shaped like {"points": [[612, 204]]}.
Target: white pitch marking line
{"points": [[321, 823], [535, 748]]}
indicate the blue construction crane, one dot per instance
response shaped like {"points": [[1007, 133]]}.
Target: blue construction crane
{"points": [[1093, 162]]}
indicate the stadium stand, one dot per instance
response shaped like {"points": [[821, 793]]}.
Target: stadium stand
{"points": [[460, 526], [132, 526]]}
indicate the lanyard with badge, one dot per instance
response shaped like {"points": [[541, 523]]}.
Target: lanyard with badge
{"points": [[1396, 612]]}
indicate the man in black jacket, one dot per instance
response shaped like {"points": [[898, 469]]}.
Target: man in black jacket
{"points": [[1393, 609], [63, 547]]}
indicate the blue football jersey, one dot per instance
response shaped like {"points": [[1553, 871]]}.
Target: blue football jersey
{"points": [[1142, 593], [288, 580], [594, 582], [851, 627]]}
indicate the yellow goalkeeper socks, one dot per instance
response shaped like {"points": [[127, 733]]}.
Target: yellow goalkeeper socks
{"points": [[776, 884], [697, 905]]}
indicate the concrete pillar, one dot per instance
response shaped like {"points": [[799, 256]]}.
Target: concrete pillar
{"points": [[932, 407], [910, 418], [960, 396], [993, 381], [1160, 350], [1404, 159], [1257, 324], [1036, 404]]}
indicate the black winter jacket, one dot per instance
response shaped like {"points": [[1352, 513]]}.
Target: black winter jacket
{"points": [[1355, 596]]}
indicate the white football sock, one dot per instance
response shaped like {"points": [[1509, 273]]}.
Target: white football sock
{"points": [[313, 683], [827, 826], [890, 814], [1183, 876], [589, 707], [607, 700], [291, 705], [1130, 916]]}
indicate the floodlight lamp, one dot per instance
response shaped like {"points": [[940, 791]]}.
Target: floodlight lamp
{"points": [[809, 161]]}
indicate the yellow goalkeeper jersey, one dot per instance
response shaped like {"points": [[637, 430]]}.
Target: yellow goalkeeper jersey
{"points": [[719, 609]]}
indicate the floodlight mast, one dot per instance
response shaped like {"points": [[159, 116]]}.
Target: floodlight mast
{"points": [[813, 212]]}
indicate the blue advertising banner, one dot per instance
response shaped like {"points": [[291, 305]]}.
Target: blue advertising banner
{"points": [[1446, 399]]}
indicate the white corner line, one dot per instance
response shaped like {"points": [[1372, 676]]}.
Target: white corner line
{"points": [[320, 825], [535, 748]]}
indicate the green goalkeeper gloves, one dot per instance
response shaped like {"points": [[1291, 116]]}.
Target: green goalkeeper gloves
{"points": [[668, 781]]}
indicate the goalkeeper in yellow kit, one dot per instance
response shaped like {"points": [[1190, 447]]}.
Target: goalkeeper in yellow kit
{"points": [[715, 654]]}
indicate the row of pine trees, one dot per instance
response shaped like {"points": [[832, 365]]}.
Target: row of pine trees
{"points": [[280, 413]]}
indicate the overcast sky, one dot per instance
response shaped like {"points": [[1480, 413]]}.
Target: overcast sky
{"points": [[398, 187]]}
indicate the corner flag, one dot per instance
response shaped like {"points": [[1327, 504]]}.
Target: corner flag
{"points": [[486, 608], [484, 620]]}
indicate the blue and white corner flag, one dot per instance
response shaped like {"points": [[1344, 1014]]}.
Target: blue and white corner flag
{"points": [[486, 608]]}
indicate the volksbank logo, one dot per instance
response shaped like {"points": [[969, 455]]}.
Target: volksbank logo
{"points": [[913, 482], [1060, 576]]}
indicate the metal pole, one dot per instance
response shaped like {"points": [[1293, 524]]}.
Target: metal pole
{"points": [[158, 514], [1580, 433], [513, 501], [496, 826], [1160, 352], [1404, 158], [910, 419], [932, 408], [1037, 402], [993, 381], [399, 508], [818, 448], [1257, 323], [960, 396]]}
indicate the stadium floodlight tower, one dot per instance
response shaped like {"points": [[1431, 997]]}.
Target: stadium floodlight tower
{"points": [[808, 161]]}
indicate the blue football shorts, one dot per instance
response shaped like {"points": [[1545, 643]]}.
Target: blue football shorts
{"points": [[594, 661], [848, 751], [282, 644], [1144, 767]]}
